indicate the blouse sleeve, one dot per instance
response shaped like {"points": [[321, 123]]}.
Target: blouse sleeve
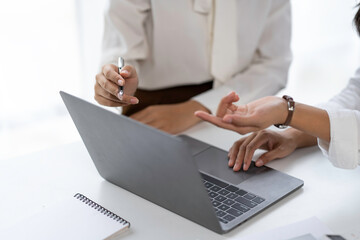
{"points": [[344, 114], [343, 149]]}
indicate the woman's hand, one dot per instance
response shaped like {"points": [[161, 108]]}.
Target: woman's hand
{"points": [[264, 112], [108, 82], [277, 144], [251, 117], [171, 118]]}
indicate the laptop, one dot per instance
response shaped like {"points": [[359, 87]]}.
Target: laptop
{"points": [[179, 173]]}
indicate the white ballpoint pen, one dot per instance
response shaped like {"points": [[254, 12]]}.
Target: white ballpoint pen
{"points": [[121, 64]]}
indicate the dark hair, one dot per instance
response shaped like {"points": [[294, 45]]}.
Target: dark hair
{"points": [[357, 19]]}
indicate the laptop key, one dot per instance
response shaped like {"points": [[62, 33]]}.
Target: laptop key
{"points": [[258, 200], [214, 181], [249, 196], [213, 194], [215, 188], [220, 198], [232, 188], [241, 192], [223, 192], [223, 207], [229, 202], [222, 220], [229, 217], [232, 195], [208, 185], [234, 212], [246, 202], [215, 203], [220, 213], [240, 207]]}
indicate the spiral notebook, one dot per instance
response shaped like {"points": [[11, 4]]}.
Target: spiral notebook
{"points": [[76, 218]]}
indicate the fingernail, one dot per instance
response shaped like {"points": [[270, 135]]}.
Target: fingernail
{"points": [[121, 82], [244, 166], [259, 163], [236, 167], [227, 119], [124, 71], [134, 101]]}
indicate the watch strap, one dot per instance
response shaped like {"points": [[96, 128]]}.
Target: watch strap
{"points": [[291, 108]]}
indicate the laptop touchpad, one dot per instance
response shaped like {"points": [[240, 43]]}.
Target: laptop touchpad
{"points": [[214, 161]]}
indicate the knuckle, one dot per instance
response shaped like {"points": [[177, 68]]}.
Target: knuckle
{"points": [[264, 133], [105, 84], [282, 148], [265, 159], [101, 83], [239, 160], [129, 68], [238, 142], [242, 132], [97, 76], [107, 71], [97, 99], [249, 147], [242, 148], [107, 74], [105, 67], [256, 133]]}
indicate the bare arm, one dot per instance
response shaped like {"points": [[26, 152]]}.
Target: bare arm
{"points": [[264, 112], [308, 123], [311, 120]]}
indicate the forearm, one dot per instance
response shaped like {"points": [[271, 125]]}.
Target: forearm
{"points": [[312, 121]]}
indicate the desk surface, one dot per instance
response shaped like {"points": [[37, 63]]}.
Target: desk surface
{"points": [[30, 183]]}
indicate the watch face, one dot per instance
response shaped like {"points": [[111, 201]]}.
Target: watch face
{"points": [[281, 126]]}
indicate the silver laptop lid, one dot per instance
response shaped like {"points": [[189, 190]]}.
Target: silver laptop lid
{"points": [[152, 164]]}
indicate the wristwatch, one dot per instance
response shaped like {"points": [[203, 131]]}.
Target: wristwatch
{"points": [[291, 108]]}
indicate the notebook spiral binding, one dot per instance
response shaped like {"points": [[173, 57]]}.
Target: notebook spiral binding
{"points": [[101, 209]]}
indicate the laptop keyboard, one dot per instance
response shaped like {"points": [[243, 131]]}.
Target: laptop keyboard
{"points": [[229, 201]]}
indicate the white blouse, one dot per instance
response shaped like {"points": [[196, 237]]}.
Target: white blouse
{"points": [[243, 45], [344, 113]]}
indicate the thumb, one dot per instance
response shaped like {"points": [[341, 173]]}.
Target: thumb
{"points": [[227, 102], [267, 157]]}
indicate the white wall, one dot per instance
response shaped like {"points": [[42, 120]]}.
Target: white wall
{"points": [[325, 47]]}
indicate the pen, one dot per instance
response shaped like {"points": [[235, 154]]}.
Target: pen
{"points": [[120, 66]]}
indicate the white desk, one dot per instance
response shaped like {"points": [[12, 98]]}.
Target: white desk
{"points": [[30, 183]]}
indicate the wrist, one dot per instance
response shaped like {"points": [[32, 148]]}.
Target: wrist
{"points": [[299, 138], [311, 120]]}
